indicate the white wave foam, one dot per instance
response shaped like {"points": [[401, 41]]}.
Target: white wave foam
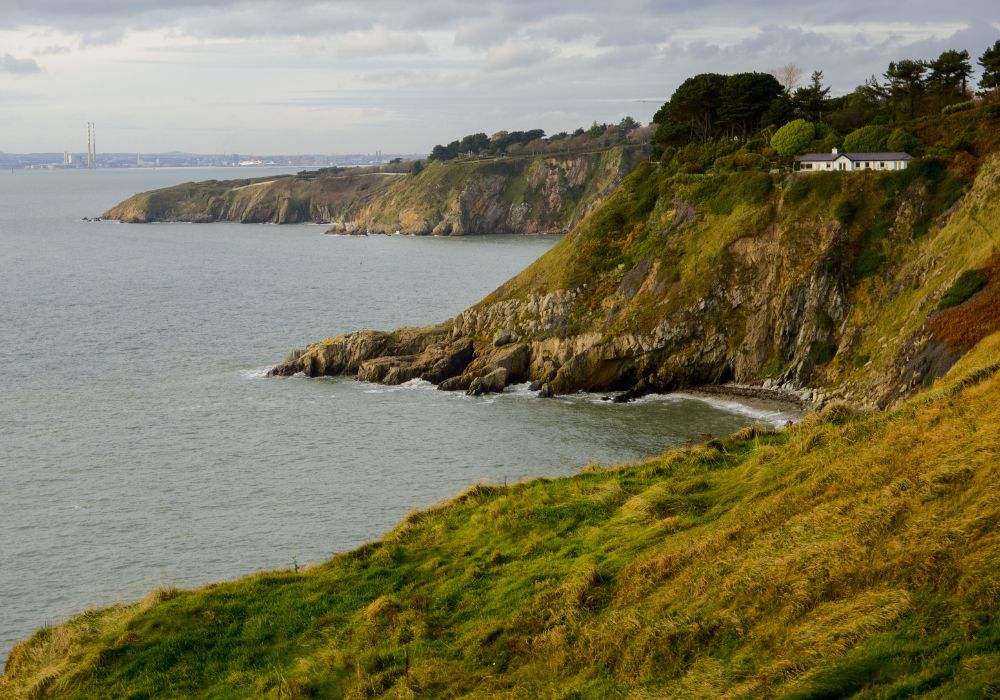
{"points": [[412, 385], [774, 416], [257, 373]]}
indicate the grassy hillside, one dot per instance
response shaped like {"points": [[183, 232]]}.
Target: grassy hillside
{"points": [[514, 194], [829, 280], [851, 555], [284, 199]]}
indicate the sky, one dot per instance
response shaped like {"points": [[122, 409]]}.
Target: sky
{"points": [[310, 76]]}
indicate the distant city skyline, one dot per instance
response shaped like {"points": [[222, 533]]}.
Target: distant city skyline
{"points": [[275, 76]]}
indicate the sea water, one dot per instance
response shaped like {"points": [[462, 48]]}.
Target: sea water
{"points": [[141, 444]]}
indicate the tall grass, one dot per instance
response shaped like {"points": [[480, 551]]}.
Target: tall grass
{"points": [[852, 554]]}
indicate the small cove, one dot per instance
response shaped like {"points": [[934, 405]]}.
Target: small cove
{"points": [[142, 445]]}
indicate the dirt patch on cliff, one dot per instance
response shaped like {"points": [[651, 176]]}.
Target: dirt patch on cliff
{"points": [[961, 327], [951, 333]]}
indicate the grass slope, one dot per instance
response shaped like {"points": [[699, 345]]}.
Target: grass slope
{"points": [[850, 555]]}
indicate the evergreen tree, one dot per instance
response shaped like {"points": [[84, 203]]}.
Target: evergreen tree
{"points": [[695, 104], [906, 83], [990, 61], [745, 98], [811, 100], [950, 72]]}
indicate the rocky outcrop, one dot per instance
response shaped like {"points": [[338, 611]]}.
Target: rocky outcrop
{"points": [[767, 295], [346, 354]]}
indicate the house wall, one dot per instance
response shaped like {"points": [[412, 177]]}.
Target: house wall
{"points": [[844, 163]]}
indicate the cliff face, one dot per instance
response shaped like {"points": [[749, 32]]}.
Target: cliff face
{"points": [[510, 195], [281, 200], [825, 284]]}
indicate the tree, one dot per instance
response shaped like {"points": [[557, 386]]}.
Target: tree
{"points": [[440, 152], [628, 124], [950, 72], [779, 112], [990, 61], [793, 137], [695, 104], [867, 139], [789, 76], [811, 100], [743, 100], [906, 82], [474, 143]]}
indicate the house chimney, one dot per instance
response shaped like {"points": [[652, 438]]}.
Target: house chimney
{"points": [[835, 151]]}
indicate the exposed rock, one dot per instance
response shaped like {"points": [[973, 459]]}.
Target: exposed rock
{"points": [[504, 337], [492, 383], [775, 308], [344, 354]]}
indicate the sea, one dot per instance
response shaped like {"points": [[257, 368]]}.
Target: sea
{"points": [[141, 444]]}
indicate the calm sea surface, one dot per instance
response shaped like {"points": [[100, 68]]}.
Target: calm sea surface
{"points": [[141, 445]]}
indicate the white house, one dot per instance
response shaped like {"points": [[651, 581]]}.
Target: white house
{"points": [[817, 162]]}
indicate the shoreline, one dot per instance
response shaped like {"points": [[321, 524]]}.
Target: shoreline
{"points": [[757, 398]]}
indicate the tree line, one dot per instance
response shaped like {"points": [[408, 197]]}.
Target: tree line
{"points": [[711, 106], [534, 141]]}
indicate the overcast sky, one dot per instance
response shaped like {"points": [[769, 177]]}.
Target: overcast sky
{"points": [[305, 76]]}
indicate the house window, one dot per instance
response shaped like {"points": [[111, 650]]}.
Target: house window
{"points": [[881, 165]]}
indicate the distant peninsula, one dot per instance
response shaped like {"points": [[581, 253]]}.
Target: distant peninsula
{"points": [[532, 185]]}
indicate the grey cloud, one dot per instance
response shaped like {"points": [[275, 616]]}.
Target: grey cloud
{"points": [[510, 57], [18, 66], [102, 37], [474, 24], [54, 50]]}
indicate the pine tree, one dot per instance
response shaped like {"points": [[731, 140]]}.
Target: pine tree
{"points": [[990, 61], [812, 99]]}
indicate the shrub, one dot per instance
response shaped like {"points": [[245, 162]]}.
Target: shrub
{"points": [[845, 211], [902, 140], [749, 161], [967, 284], [822, 352], [939, 150], [797, 190], [958, 107], [793, 137], [867, 139]]}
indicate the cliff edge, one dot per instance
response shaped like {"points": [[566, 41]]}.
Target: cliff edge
{"points": [[831, 285]]}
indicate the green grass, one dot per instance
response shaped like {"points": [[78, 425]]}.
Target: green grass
{"points": [[851, 555], [967, 284]]}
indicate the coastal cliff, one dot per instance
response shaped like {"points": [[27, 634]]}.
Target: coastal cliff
{"points": [[537, 194], [826, 285]]}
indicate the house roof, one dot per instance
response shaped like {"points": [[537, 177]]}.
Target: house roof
{"points": [[829, 157]]}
